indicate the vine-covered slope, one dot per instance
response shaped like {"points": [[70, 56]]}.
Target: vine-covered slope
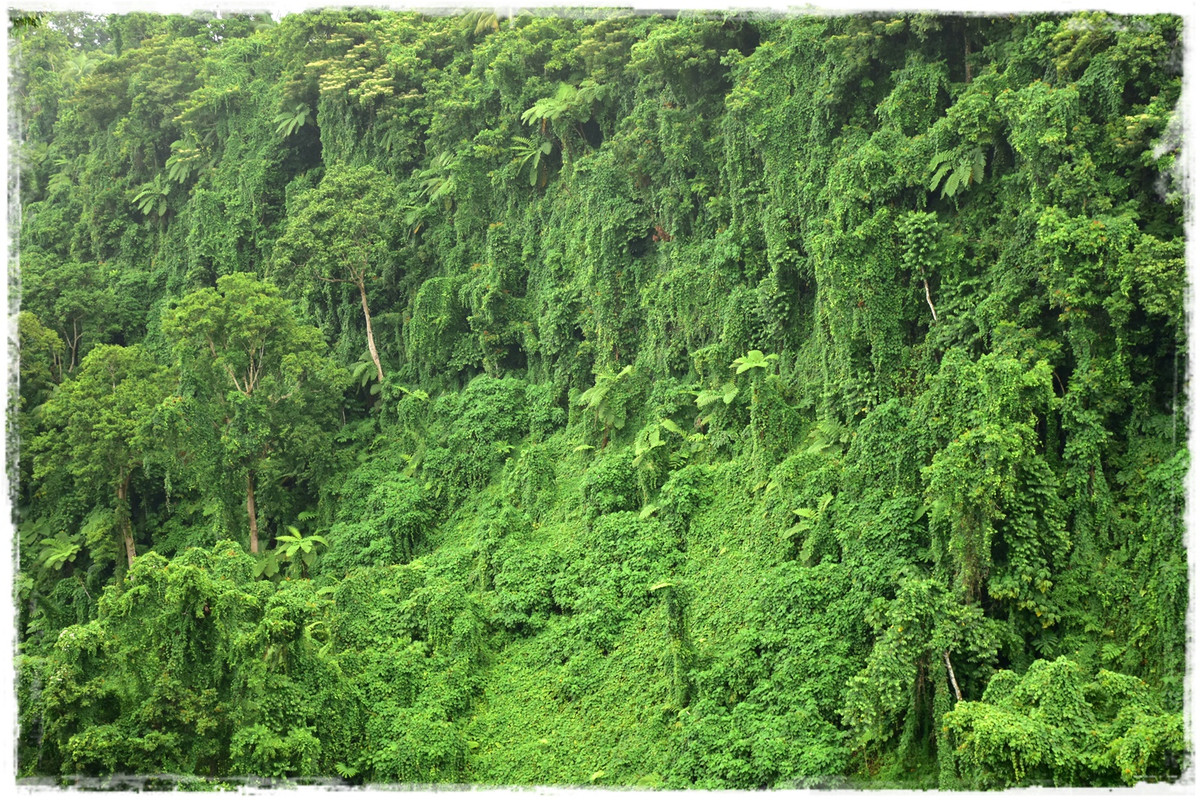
{"points": [[696, 401]]}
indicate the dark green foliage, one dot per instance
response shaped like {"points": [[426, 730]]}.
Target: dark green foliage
{"points": [[667, 401]]}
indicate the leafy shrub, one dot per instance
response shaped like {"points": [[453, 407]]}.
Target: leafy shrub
{"points": [[608, 581], [529, 480], [385, 526], [610, 485], [480, 423], [1053, 726], [546, 415], [257, 750], [765, 713], [368, 609]]}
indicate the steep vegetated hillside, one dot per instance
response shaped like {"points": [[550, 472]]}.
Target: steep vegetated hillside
{"points": [[708, 401]]}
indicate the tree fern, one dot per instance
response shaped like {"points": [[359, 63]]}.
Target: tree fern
{"points": [[528, 152], [151, 200], [958, 172], [291, 120]]}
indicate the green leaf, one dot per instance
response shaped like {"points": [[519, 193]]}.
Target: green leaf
{"points": [[937, 177], [59, 551], [672, 427], [268, 566], [799, 527], [951, 187], [753, 360], [656, 439]]}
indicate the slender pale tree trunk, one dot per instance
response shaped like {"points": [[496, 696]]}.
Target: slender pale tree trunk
{"points": [[123, 517], [953, 680], [251, 512], [362, 290]]}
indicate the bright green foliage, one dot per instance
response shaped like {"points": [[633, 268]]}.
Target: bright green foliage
{"points": [[85, 304], [151, 200], [920, 630], [622, 400], [956, 176], [529, 155], [1053, 726], [752, 360], [290, 121], [180, 672], [296, 550], [472, 434], [58, 552], [990, 474], [41, 356], [762, 717]]}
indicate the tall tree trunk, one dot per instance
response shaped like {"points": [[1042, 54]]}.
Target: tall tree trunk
{"points": [[123, 517], [251, 512], [362, 290]]}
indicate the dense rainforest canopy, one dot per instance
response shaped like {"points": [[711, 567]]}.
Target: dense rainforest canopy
{"points": [[685, 401]]}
